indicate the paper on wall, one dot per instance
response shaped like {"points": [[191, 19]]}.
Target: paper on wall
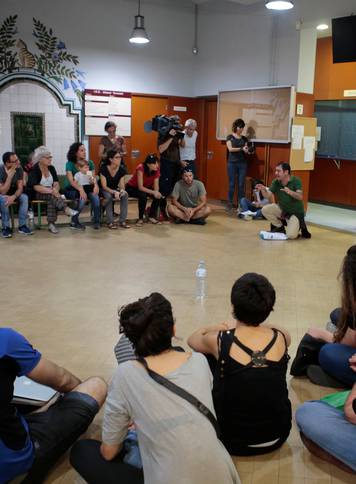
{"points": [[297, 136], [123, 124], [318, 133], [120, 106], [96, 109], [309, 147], [95, 126]]}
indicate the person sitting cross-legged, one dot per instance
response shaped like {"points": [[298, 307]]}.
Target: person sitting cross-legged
{"points": [[189, 202], [33, 443], [11, 190]]}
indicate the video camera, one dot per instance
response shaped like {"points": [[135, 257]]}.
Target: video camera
{"points": [[163, 124]]}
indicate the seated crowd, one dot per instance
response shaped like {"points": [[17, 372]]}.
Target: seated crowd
{"points": [[173, 415]]}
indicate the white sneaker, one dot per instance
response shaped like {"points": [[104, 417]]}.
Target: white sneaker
{"points": [[52, 228], [246, 217], [70, 212]]}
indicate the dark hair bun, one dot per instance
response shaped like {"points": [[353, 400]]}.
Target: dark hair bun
{"points": [[148, 324]]}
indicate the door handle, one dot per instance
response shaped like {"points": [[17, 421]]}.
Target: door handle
{"points": [[210, 155], [135, 154]]}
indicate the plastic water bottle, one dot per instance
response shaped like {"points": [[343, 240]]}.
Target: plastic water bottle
{"points": [[31, 219], [201, 275]]}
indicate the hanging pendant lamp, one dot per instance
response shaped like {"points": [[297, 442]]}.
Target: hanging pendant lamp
{"points": [[139, 34], [279, 4]]}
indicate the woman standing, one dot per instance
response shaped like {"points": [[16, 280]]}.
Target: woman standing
{"points": [[177, 441], [237, 148], [143, 184], [111, 142], [74, 191], [43, 180], [112, 179]]}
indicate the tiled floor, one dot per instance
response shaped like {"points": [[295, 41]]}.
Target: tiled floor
{"points": [[63, 291]]}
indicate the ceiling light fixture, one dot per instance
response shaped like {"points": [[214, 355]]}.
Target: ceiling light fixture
{"points": [[322, 27], [279, 4], [139, 34]]}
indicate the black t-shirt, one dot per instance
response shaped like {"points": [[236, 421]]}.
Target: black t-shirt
{"points": [[172, 152], [18, 176], [237, 156], [112, 182]]}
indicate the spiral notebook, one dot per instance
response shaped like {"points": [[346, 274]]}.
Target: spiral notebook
{"points": [[29, 392]]}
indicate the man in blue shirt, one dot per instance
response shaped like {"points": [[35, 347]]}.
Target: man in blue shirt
{"points": [[32, 443]]}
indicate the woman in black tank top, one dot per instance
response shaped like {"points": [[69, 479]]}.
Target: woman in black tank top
{"points": [[249, 363]]}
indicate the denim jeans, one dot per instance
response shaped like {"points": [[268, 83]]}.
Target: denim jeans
{"points": [[5, 214], [73, 194], [246, 204], [124, 200], [334, 359], [329, 429], [236, 170]]}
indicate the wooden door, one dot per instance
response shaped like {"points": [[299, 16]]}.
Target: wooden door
{"points": [[144, 108], [216, 168]]}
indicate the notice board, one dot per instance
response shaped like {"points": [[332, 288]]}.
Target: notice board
{"points": [[303, 147]]}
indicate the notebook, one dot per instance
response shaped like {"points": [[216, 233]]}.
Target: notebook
{"points": [[29, 392]]}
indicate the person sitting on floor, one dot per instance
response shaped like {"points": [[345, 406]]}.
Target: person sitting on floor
{"points": [[178, 443], [337, 357], [189, 202], [253, 209], [11, 191], [250, 362], [33, 443], [112, 180], [329, 433], [144, 183], [43, 182], [287, 215]]}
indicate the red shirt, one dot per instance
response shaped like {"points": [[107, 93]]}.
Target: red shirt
{"points": [[147, 179]]}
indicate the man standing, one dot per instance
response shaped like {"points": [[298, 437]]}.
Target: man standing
{"points": [[11, 190], [287, 215], [189, 201], [34, 442], [187, 146]]}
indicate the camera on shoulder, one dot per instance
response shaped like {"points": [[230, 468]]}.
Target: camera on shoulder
{"points": [[163, 124]]}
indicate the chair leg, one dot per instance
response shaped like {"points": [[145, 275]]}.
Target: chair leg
{"points": [[39, 218]]}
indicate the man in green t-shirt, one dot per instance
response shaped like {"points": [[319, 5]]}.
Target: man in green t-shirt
{"points": [[287, 215]]}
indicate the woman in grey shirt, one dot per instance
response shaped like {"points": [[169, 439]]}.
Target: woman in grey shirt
{"points": [[178, 444]]}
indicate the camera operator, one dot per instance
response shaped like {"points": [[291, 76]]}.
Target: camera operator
{"points": [[168, 147]]}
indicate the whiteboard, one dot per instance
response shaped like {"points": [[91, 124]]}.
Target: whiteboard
{"points": [[267, 112]]}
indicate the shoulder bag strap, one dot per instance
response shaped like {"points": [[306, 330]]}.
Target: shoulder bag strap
{"points": [[183, 394]]}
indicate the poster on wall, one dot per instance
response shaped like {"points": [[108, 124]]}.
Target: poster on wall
{"points": [[102, 106]]}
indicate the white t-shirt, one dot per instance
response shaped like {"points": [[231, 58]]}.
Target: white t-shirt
{"points": [[47, 181], [188, 151], [83, 179]]}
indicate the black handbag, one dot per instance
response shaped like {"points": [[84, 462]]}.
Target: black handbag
{"points": [[183, 394], [307, 354]]}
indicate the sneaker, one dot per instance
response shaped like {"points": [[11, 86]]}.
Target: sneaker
{"points": [[52, 228], [197, 221], [305, 234], [96, 226], [178, 221], [6, 233], [275, 229], [77, 226], [25, 230], [70, 212], [246, 217]]}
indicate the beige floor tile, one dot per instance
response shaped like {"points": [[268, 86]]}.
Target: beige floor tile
{"points": [[63, 293]]}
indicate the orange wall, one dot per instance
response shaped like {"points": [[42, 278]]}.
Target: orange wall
{"points": [[327, 182]]}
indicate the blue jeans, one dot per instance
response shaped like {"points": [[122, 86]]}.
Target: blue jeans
{"points": [[246, 204], [236, 170], [73, 194], [334, 359], [5, 214], [329, 429]]}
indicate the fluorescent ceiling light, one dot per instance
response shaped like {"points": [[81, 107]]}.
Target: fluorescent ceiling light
{"points": [[279, 4], [322, 27], [139, 34]]}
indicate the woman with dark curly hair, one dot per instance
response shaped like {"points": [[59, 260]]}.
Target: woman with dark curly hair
{"points": [[177, 442], [75, 191]]}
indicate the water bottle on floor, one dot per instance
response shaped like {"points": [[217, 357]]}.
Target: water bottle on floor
{"points": [[30, 219], [200, 276]]}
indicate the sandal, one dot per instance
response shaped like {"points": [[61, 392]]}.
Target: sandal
{"points": [[139, 223], [124, 225], [112, 226], [154, 221]]}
